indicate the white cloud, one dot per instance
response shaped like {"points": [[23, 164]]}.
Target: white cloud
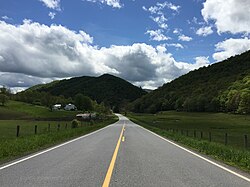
{"points": [[204, 31], [6, 18], [185, 38], [159, 7], [157, 35], [177, 31], [229, 16], [201, 61], [159, 13], [52, 4], [231, 47], [52, 15], [161, 21], [176, 45], [112, 3], [32, 53]]}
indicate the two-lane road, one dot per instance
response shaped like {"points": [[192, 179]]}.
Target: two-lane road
{"points": [[130, 157]]}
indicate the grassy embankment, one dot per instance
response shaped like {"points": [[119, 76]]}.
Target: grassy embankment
{"points": [[27, 116], [174, 125]]}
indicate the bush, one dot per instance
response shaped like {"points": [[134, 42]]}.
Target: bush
{"points": [[75, 123]]}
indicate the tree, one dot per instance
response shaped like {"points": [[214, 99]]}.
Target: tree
{"points": [[3, 99], [83, 102]]}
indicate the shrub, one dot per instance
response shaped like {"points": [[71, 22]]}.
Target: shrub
{"points": [[75, 123]]}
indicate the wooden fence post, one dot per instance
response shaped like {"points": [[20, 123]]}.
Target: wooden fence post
{"points": [[187, 132], [194, 133], [201, 134], [245, 140], [49, 127], [226, 139], [17, 130], [58, 127], [66, 126], [35, 129], [210, 137]]}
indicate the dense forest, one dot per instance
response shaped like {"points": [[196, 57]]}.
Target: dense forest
{"points": [[111, 90], [220, 87]]}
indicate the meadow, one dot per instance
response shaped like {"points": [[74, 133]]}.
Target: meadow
{"points": [[48, 132], [174, 125]]}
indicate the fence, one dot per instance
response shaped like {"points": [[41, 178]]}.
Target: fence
{"points": [[42, 129], [219, 137]]}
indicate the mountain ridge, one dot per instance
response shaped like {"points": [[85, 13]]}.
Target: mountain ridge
{"points": [[106, 88], [222, 86]]}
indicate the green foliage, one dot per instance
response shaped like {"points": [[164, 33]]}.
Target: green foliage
{"points": [[75, 123], [3, 99], [222, 86], [83, 102]]}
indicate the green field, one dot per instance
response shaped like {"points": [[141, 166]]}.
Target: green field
{"points": [[20, 110], [173, 125], [236, 126], [28, 116]]}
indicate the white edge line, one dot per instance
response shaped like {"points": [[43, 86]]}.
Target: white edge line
{"points": [[52, 148], [201, 157]]}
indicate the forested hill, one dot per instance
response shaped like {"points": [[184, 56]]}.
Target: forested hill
{"points": [[106, 88], [223, 86]]}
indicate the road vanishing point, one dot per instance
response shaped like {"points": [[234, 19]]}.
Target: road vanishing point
{"points": [[121, 154]]}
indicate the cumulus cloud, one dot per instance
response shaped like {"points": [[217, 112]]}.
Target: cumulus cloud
{"points": [[184, 38], [52, 4], [157, 35], [33, 53], [229, 16], [112, 3], [231, 47], [201, 61], [204, 31]]}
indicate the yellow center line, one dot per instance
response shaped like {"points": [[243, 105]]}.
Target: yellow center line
{"points": [[112, 163]]}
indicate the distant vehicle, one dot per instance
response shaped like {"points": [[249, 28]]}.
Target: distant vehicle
{"points": [[70, 107]]}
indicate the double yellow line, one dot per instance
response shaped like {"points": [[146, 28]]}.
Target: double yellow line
{"points": [[112, 163]]}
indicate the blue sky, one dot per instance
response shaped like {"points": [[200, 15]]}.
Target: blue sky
{"points": [[145, 42]]}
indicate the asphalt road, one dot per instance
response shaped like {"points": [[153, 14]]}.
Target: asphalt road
{"points": [[143, 159]]}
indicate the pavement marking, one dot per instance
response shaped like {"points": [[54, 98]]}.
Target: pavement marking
{"points": [[55, 147], [112, 163], [201, 157], [123, 138]]}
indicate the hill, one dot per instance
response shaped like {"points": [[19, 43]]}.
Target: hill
{"points": [[107, 88], [223, 86]]}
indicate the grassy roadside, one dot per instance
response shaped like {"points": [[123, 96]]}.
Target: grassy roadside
{"points": [[17, 147], [230, 155]]}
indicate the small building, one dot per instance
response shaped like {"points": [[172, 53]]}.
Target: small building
{"points": [[57, 107], [86, 116], [70, 107]]}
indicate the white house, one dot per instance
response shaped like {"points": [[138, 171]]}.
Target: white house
{"points": [[70, 107], [56, 107]]}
